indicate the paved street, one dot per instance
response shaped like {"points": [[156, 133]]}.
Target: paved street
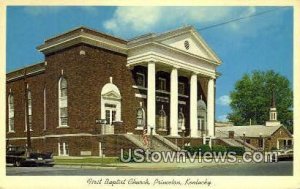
{"points": [[284, 168]]}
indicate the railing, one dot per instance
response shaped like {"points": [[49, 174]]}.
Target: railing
{"points": [[240, 139]]}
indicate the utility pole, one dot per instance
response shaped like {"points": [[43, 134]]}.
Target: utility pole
{"points": [[26, 111]]}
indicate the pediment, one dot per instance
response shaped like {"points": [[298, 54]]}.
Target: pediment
{"points": [[112, 95], [190, 42]]}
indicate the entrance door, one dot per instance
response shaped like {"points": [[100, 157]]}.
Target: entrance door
{"points": [[110, 113]]}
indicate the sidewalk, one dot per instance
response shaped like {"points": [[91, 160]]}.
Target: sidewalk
{"points": [[155, 166]]}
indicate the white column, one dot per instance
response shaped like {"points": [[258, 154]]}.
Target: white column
{"points": [[193, 105], [211, 108], [151, 98], [174, 103]]}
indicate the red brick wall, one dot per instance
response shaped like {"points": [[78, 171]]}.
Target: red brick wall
{"points": [[36, 86], [86, 75]]}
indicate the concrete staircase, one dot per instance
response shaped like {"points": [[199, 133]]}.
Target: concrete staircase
{"points": [[159, 143], [237, 143]]}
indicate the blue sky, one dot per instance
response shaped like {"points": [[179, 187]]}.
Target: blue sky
{"points": [[259, 43]]}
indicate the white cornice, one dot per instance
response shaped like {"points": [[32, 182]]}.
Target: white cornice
{"points": [[160, 45], [83, 38], [161, 58], [28, 74]]}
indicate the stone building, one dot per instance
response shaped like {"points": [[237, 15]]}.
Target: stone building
{"points": [[272, 135]]}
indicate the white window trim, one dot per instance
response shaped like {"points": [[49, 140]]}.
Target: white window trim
{"points": [[143, 75], [141, 127], [45, 110], [111, 109], [10, 130], [27, 109], [64, 149], [59, 104], [139, 87], [181, 127]]}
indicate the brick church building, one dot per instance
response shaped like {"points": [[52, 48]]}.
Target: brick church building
{"points": [[162, 84]]}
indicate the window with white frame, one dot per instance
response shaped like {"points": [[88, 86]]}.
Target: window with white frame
{"points": [[11, 113], [45, 110], [140, 116], [162, 119], [181, 121], [63, 102], [140, 79], [162, 84], [181, 88], [29, 110], [63, 149], [201, 124]]}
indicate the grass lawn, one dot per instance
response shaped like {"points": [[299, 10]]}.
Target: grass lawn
{"points": [[86, 161]]}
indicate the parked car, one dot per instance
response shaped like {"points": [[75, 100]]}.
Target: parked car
{"points": [[21, 156], [285, 154]]}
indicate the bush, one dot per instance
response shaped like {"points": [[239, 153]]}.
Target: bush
{"points": [[238, 150], [126, 156], [273, 149], [189, 149], [219, 148], [204, 148], [196, 149]]}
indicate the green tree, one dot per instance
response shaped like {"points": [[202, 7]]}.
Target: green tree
{"points": [[251, 98]]}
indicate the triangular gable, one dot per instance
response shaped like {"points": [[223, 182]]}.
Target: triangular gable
{"points": [[284, 129], [111, 95], [189, 41]]}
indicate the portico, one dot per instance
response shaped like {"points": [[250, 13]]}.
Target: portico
{"points": [[185, 55]]}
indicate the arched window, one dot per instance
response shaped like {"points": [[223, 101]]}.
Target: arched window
{"points": [[162, 119], [11, 113], [201, 111], [29, 114], [110, 103], [181, 121], [140, 116], [63, 102]]}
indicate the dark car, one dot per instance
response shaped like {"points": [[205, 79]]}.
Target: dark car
{"points": [[21, 156]]}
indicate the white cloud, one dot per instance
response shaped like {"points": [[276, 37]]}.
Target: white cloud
{"points": [[133, 18], [222, 118], [145, 19], [224, 100]]}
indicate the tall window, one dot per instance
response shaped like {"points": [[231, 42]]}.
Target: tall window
{"points": [[11, 113], [162, 119], [140, 79], [162, 84], [63, 102], [181, 88], [45, 110], [181, 121], [140, 116], [201, 124], [63, 149], [29, 104]]}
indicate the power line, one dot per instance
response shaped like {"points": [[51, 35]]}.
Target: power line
{"points": [[240, 18]]}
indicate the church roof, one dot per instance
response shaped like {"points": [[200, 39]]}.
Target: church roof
{"points": [[250, 131]]}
